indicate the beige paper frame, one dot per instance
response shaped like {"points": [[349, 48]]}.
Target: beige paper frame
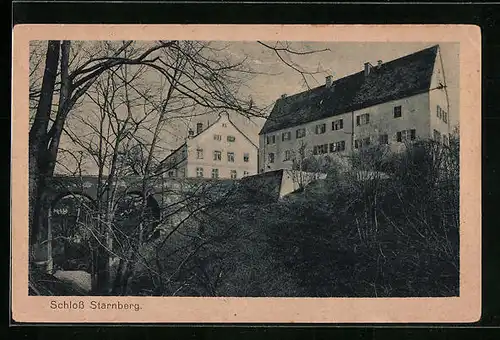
{"points": [[466, 308]]}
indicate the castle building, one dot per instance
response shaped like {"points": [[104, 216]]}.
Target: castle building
{"points": [[388, 103], [221, 150]]}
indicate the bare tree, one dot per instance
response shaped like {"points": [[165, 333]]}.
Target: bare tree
{"points": [[113, 109], [206, 82]]}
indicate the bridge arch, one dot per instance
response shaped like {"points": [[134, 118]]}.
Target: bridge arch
{"points": [[131, 221], [71, 231]]}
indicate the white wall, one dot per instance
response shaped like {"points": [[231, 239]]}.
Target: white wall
{"points": [[206, 142], [415, 115], [438, 96]]}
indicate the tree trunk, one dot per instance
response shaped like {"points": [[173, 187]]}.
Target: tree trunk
{"points": [[38, 139]]}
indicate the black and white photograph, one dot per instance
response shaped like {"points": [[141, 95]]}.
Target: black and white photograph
{"points": [[193, 168], [244, 168]]}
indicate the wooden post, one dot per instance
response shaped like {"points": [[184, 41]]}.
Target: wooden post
{"points": [[50, 260]]}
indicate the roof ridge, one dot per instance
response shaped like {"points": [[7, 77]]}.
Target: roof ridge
{"points": [[356, 73], [398, 78]]}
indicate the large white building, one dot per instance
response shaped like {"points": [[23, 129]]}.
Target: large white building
{"points": [[388, 103], [220, 150]]}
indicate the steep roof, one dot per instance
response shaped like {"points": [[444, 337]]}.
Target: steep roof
{"points": [[396, 79], [229, 120], [262, 187]]}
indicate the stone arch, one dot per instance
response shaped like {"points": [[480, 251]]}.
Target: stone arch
{"points": [[71, 226]]}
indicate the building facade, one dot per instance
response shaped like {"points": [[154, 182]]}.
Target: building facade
{"points": [[220, 150], [390, 103]]}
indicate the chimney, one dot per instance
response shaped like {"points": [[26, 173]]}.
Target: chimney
{"points": [[379, 63], [328, 81], [199, 128], [283, 96], [191, 133], [368, 69]]}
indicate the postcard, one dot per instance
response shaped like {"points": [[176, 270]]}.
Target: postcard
{"points": [[246, 174]]}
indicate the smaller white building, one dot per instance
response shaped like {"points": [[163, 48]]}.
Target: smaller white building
{"points": [[220, 150]]}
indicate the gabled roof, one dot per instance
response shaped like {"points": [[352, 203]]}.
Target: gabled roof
{"points": [[229, 120], [396, 79], [198, 134]]}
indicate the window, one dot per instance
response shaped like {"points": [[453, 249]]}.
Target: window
{"points": [[217, 155], [337, 146], [442, 114], [383, 139], [286, 136], [300, 133], [397, 111], [246, 157], [231, 138], [324, 148], [271, 139], [288, 155], [199, 172], [233, 174], [361, 143], [270, 157], [320, 149], [171, 173], [363, 119], [413, 134], [230, 157], [199, 127], [406, 135], [215, 173], [224, 125], [199, 153], [245, 173], [321, 128], [338, 125], [218, 137]]}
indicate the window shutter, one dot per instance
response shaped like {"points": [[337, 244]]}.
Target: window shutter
{"points": [[357, 120]]}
